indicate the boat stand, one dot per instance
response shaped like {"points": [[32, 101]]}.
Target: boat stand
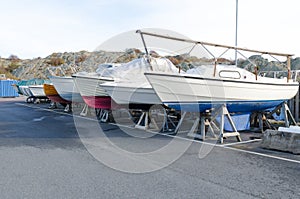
{"points": [[102, 114], [223, 112], [85, 110], [143, 122], [52, 105], [261, 118], [180, 122], [288, 117], [210, 121], [68, 108], [155, 120], [189, 117], [206, 127], [167, 122]]}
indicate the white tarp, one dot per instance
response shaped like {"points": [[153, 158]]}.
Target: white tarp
{"points": [[134, 70]]}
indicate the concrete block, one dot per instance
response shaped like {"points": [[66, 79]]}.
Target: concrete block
{"points": [[283, 141]]}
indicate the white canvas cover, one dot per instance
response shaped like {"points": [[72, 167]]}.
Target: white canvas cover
{"points": [[134, 70]]}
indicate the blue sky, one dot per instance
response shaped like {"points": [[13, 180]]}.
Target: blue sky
{"points": [[36, 28]]}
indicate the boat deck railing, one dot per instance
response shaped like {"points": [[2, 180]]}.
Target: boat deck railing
{"points": [[216, 57], [294, 74]]}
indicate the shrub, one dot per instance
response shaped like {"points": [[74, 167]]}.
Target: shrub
{"points": [[13, 58], [13, 65], [56, 61], [80, 58]]}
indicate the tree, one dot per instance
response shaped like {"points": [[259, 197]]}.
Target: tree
{"points": [[13, 57]]}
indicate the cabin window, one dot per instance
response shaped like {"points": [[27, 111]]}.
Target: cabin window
{"points": [[230, 74]]}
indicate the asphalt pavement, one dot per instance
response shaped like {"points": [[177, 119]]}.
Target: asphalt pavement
{"points": [[50, 154]]}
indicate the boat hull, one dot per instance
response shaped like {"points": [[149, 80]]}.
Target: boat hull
{"points": [[198, 94], [25, 91], [130, 96], [102, 102], [91, 91], [53, 95], [37, 91], [124, 94], [66, 89]]}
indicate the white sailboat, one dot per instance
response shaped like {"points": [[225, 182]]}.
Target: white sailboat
{"points": [[206, 86]]}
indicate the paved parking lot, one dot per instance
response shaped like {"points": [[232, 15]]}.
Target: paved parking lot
{"points": [[45, 154]]}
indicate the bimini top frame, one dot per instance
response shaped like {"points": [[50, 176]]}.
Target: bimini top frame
{"points": [[202, 43]]}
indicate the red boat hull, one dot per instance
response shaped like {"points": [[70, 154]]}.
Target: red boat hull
{"points": [[58, 99], [103, 102]]}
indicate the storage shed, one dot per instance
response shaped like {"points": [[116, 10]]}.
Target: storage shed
{"points": [[6, 89]]}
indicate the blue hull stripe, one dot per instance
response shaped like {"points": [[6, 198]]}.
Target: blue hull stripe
{"points": [[232, 106]]}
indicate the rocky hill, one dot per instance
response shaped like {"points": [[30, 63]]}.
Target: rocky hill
{"points": [[68, 63], [61, 64], [266, 65]]}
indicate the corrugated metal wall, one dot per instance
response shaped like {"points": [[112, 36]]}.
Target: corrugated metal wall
{"points": [[6, 89]]}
